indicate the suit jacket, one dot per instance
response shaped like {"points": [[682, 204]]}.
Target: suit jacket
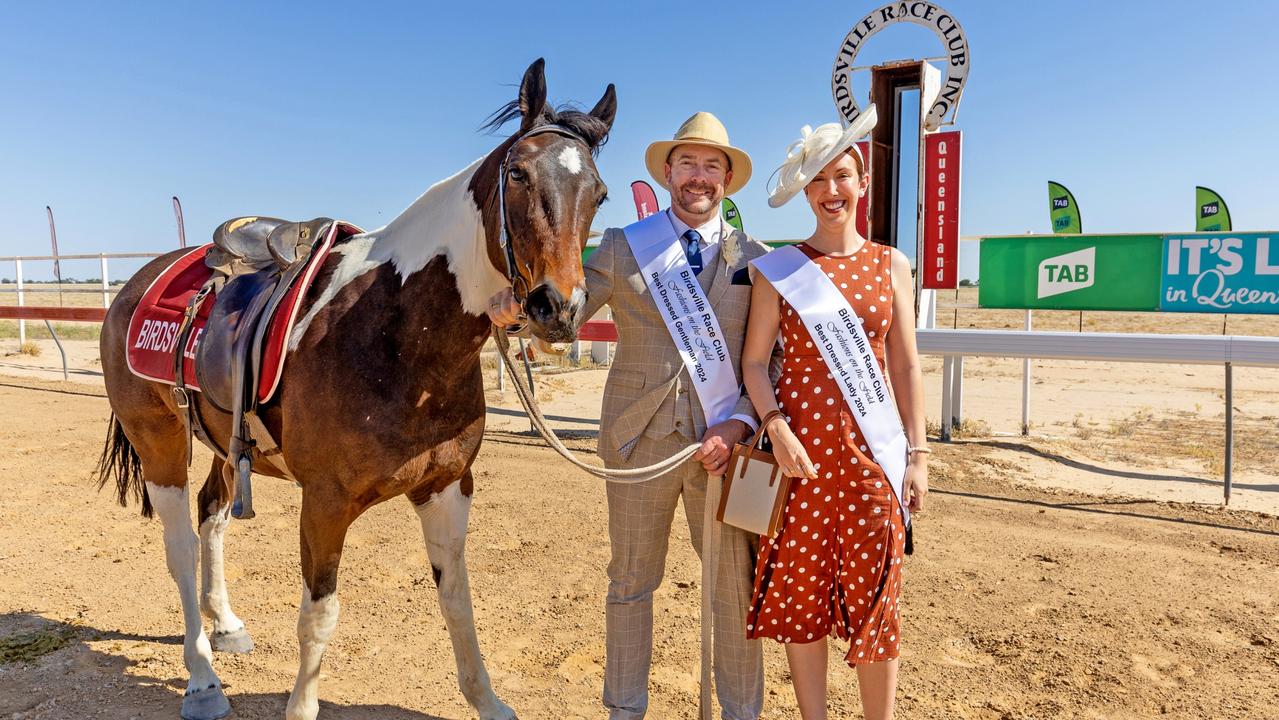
{"points": [[648, 391]]}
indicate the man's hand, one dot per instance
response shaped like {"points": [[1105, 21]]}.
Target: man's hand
{"points": [[502, 308], [718, 444]]}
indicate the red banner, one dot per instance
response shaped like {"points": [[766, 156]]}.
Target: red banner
{"points": [[940, 267], [645, 199]]}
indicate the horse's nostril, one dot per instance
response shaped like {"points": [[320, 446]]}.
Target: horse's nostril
{"points": [[544, 302]]}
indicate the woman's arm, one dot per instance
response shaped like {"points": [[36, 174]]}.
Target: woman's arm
{"points": [[906, 379], [757, 353]]}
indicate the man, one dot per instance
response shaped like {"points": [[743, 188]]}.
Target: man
{"points": [[654, 406]]}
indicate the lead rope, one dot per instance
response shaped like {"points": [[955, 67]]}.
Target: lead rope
{"points": [[627, 475], [710, 526]]}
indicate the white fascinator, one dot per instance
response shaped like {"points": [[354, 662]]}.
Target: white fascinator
{"points": [[813, 150]]}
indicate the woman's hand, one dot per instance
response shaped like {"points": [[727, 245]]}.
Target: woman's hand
{"points": [[788, 451], [915, 485]]}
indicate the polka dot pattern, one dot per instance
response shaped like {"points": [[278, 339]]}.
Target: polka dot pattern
{"points": [[835, 566]]}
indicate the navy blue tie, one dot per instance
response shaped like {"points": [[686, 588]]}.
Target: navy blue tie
{"points": [[694, 250]]}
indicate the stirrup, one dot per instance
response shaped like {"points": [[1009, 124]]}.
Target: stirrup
{"points": [[242, 508]]}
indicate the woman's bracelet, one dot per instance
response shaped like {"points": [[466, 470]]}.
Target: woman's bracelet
{"points": [[921, 450]]}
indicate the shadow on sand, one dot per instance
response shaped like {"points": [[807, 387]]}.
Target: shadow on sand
{"points": [[63, 677], [1099, 470]]}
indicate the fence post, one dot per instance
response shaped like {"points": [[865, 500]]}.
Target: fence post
{"points": [[957, 387], [22, 324], [947, 362], [1230, 428], [1025, 387], [106, 284]]}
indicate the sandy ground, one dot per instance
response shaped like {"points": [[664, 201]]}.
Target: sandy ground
{"points": [[1085, 572]]}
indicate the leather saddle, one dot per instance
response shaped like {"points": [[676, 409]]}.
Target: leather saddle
{"points": [[255, 261], [253, 243]]}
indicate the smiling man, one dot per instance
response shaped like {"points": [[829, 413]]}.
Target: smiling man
{"points": [[680, 293]]}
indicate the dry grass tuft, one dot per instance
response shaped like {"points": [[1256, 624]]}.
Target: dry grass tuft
{"points": [[26, 647]]}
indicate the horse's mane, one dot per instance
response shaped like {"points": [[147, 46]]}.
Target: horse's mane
{"points": [[593, 130]]}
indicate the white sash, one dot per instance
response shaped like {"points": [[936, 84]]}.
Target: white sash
{"points": [[840, 338], [687, 313]]}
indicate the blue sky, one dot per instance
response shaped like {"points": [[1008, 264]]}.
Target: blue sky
{"points": [[351, 111]]}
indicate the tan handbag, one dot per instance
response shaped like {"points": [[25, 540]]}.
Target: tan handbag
{"points": [[755, 490]]}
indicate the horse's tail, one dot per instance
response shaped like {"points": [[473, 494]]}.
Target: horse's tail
{"points": [[121, 461]]}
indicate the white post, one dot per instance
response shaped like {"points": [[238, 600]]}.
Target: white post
{"points": [[946, 362], [928, 309], [106, 284], [1025, 387], [22, 324], [599, 349], [957, 387]]}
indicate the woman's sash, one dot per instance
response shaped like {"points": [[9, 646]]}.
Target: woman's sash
{"points": [[687, 313], [842, 341]]}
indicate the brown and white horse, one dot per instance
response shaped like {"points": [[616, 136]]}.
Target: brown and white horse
{"points": [[382, 394]]}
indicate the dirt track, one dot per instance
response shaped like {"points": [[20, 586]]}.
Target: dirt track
{"points": [[1020, 602]]}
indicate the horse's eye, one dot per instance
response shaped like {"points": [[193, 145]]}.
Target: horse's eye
{"points": [[603, 199], [517, 175]]}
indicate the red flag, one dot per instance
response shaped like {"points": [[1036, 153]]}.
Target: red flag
{"points": [[645, 199]]}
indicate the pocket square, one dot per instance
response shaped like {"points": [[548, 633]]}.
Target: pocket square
{"points": [[742, 277]]}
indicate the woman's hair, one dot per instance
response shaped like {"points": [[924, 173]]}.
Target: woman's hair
{"points": [[857, 157]]}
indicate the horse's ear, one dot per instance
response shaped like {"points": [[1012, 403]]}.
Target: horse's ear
{"points": [[606, 109], [533, 94]]}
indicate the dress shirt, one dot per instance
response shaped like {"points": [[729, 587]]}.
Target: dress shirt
{"points": [[712, 231]]}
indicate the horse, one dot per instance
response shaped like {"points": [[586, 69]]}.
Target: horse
{"points": [[382, 395]]}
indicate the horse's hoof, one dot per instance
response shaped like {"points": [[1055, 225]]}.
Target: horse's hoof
{"points": [[207, 704], [236, 641]]}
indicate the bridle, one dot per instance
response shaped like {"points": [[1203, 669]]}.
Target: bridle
{"points": [[512, 274]]}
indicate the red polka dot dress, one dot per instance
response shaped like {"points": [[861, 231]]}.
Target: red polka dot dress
{"points": [[835, 565]]}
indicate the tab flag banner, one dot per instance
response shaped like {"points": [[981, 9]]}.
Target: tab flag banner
{"points": [[1063, 210], [1211, 213], [645, 199], [732, 215]]}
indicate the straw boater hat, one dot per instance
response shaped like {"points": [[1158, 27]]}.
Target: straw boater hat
{"points": [[813, 150], [701, 129]]}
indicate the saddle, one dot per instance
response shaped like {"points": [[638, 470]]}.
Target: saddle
{"points": [[255, 262]]}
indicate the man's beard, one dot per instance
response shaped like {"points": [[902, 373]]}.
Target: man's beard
{"points": [[698, 204]]}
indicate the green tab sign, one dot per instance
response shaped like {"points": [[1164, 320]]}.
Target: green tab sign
{"points": [[1211, 213], [1075, 272], [1063, 210]]}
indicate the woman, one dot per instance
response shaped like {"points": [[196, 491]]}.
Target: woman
{"points": [[835, 565]]}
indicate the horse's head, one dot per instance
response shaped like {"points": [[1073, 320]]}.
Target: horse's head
{"points": [[541, 190]]}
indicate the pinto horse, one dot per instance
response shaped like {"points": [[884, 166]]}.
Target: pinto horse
{"points": [[382, 395]]}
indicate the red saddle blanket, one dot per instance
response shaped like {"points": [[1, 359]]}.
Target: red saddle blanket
{"points": [[153, 329]]}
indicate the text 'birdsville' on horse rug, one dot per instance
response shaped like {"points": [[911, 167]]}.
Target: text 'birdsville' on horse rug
{"points": [[154, 327]]}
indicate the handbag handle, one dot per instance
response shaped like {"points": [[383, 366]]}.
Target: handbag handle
{"points": [[759, 434]]}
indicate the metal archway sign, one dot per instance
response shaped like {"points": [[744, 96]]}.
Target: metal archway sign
{"points": [[927, 14]]}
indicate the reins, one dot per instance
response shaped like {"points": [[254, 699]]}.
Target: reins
{"points": [[618, 475]]}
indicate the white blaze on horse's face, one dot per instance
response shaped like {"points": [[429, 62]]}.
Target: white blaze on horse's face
{"points": [[446, 221], [571, 160]]}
